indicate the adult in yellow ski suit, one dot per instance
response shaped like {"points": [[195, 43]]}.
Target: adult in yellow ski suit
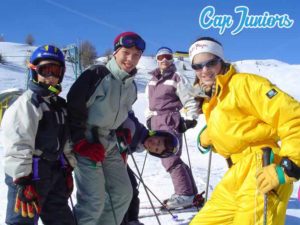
{"points": [[244, 113]]}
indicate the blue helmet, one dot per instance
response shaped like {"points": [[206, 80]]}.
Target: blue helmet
{"points": [[45, 52]]}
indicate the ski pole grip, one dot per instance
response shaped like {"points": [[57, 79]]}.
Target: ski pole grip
{"points": [[266, 156]]}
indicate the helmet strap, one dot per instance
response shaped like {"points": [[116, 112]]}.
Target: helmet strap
{"points": [[53, 89]]}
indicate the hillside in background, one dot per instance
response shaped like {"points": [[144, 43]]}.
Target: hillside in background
{"points": [[285, 76], [15, 55]]}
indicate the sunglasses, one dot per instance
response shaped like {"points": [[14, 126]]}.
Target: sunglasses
{"points": [[164, 56], [208, 64], [49, 69], [132, 41]]}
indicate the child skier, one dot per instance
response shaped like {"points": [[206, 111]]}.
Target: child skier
{"points": [[38, 163], [99, 102]]}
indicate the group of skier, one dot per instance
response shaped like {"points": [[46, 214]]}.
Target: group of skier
{"points": [[47, 138]]}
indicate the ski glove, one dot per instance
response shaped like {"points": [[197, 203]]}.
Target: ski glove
{"points": [[124, 139], [205, 140], [124, 157], [94, 151], [184, 125], [125, 135], [69, 180], [27, 198], [269, 178]]}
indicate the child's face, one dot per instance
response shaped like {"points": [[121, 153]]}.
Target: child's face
{"points": [[155, 144], [49, 80], [128, 58]]}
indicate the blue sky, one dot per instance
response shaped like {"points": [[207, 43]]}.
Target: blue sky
{"points": [[173, 23]]}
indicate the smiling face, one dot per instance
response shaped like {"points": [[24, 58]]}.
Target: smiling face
{"points": [[128, 58], [155, 144], [164, 61], [49, 80], [207, 74]]}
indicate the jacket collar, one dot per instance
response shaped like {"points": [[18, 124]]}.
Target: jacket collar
{"points": [[168, 72], [117, 72], [224, 79], [40, 89]]}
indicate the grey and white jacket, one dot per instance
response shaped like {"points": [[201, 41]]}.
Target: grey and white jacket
{"points": [[99, 102], [34, 126]]}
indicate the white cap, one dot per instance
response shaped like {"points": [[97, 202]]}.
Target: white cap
{"points": [[206, 46], [164, 51]]}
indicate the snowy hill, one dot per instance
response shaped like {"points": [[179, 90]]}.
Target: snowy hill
{"points": [[285, 76]]}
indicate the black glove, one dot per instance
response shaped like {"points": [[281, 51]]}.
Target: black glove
{"points": [[27, 198], [69, 180], [148, 123], [184, 125]]}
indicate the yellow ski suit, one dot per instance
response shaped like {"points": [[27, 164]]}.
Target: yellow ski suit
{"points": [[247, 113]]}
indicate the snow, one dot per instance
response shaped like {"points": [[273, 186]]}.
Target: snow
{"points": [[285, 76]]}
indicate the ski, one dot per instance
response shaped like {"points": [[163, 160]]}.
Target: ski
{"points": [[198, 202], [162, 208], [165, 212], [149, 207]]}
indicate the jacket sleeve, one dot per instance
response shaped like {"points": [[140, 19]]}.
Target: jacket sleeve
{"points": [[148, 114], [138, 132], [19, 127], [281, 111], [183, 91], [69, 153], [78, 98]]}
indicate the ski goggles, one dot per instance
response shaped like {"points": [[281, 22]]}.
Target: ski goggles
{"points": [[49, 69], [168, 57], [131, 41], [207, 64]]}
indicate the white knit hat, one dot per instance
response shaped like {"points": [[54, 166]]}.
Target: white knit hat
{"points": [[206, 46]]}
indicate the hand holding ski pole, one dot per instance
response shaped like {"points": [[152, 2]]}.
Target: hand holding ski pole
{"points": [[184, 125], [271, 176], [94, 151], [69, 180], [266, 162]]}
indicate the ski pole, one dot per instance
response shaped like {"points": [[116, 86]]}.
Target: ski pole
{"points": [[299, 194], [187, 151], [266, 161], [144, 163], [73, 210], [208, 175], [141, 179], [112, 207], [190, 165], [175, 217], [64, 167]]}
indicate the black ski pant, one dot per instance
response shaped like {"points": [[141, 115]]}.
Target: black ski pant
{"points": [[52, 189]]}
